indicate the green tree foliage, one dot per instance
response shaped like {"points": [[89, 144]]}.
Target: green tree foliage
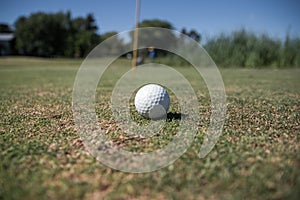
{"points": [[43, 34], [245, 49], [111, 47], [192, 33], [156, 23], [107, 35], [156, 37], [83, 36], [58, 34]]}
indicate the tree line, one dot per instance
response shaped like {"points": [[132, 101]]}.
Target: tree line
{"points": [[60, 35], [56, 34]]}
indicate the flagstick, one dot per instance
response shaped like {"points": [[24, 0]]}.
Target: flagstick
{"points": [[135, 37]]}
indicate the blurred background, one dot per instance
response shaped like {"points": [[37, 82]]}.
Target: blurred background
{"points": [[235, 33]]}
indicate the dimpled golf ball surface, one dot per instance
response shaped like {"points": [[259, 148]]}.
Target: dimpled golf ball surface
{"points": [[152, 101]]}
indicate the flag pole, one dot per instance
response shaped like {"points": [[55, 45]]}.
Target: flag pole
{"points": [[135, 36]]}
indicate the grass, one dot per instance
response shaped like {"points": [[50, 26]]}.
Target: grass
{"points": [[42, 157]]}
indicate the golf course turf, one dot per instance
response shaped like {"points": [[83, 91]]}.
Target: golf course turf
{"points": [[42, 156]]}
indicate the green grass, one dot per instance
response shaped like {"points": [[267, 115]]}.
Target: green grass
{"points": [[42, 157]]}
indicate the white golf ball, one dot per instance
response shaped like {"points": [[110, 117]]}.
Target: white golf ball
{"points": [[152, 101]]}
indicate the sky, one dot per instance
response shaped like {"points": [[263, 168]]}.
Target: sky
{"points": [[209, 17]]}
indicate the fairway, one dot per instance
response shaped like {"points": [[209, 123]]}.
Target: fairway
{"points": [[42, 157]]}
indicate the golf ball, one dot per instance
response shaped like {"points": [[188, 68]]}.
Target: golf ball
{"points": [[152, 101]]}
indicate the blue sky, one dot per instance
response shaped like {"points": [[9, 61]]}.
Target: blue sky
{"points": [[210, 17]]}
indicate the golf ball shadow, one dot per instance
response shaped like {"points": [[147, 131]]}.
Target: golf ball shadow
{"points": [[158, 112]]}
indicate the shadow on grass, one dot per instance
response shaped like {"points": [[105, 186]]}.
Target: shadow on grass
{"points": [[175, 116]]}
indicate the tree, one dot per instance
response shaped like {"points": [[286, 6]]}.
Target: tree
{"points": [[90, 23], [112, 47], [41, 34], [192, 33], [83, 34], [107, 35], [156, 23], [156, 37], [55, 34]]}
